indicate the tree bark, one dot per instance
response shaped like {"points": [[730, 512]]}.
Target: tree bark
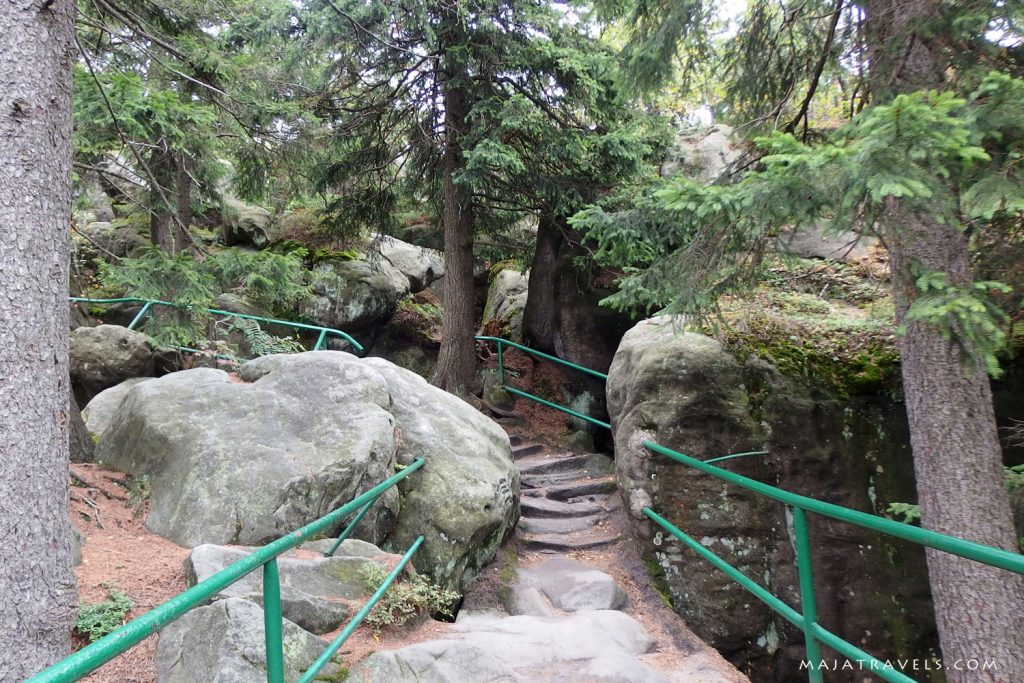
{"points": [[456, 363], [165, 222], [36, 580], [957, 457]]}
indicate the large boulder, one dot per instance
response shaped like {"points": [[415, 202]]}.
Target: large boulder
{"points": [[103, 240], [246, 224], [225, 643], [361, 294], [104, 406], [466, 499], [244, 462], [106, 355], [687, 392], [506, 301]]}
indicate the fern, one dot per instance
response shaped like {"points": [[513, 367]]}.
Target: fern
{"points": [[261, 342]]}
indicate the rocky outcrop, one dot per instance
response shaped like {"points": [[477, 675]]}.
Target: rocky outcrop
{"points": [[315, 590], [466, 499], [225, 643], [244, 462], [702, 155], [506, 301], [103, 240], [246, 224], [106, 355], [688, 393], [360, 295], [600, 645]]}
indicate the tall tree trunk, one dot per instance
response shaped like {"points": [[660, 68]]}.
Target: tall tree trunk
{"points": [[165, 222], [36, 581], [456, 363], [957, 457]]}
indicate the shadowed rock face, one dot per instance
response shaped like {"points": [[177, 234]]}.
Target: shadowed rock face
{"points": [[685, 392], [106, 355], [244, 462]]}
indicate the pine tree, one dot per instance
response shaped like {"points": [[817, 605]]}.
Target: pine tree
{"points": [[932, 159]]}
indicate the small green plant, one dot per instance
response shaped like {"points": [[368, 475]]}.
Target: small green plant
{"points": [[405, 599], [910, 512], [103, 618], [261, 342], [1014, 477], [139, 490]]}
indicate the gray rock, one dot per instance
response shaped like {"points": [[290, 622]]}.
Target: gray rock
{"points": [[243, 463], [104, 406], [581, 441], [818, 242], [421, 266], [506, 302], [235, 463], [313, 590], [246, 224], [224, 643], [687, 392], [702, 155], [466, 499], [528, 600], [104, 241], [106, 355], [517, 648], [572, 586], [363, 293]]}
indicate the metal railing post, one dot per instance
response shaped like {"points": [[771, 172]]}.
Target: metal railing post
{"points": [[320, 340], [807, 603], [140, 315], [273, 622], [351, 525], [501, 364]]}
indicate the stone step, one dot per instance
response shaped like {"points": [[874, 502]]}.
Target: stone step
{"points": [[556, 479], [515, 440], [533, 506], [579, 540], [584, 487], [561, 525], [529, 449], [552, 465]]}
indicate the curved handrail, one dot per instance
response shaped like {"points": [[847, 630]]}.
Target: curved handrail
{"points": [[149, 303], [103, 650]]}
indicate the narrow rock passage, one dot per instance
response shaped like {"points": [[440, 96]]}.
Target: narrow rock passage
{"points": [[568, 600]]}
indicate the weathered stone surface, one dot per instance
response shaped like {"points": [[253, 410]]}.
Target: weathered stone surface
{"points": [[224, 643], [247, 224], [817, 242], [572, 586], [361, 294], [106, 355], [313, 589], [420, 266], [495, 647], [686, 392], [506, 302], [105, 241], [243, 462], [702, 155], [466, 499], [104, 406]]}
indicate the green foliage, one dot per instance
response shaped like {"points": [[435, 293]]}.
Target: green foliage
{"points": [[681, 245], [261, 342], [103, 618], [405, 599], [139, 490], [909, 512], [277, 282], [964, 315], [1014, 477]]}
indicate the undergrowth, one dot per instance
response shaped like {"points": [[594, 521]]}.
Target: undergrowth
{"points": [[103, 618], [405, 599]]}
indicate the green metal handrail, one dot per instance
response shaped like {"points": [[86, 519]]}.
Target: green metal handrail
{"points": [[103, 650], [807, 619], [548, 357], [148, 304]]}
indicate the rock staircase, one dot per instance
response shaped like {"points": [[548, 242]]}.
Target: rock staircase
{"points": [[566, 498]]}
